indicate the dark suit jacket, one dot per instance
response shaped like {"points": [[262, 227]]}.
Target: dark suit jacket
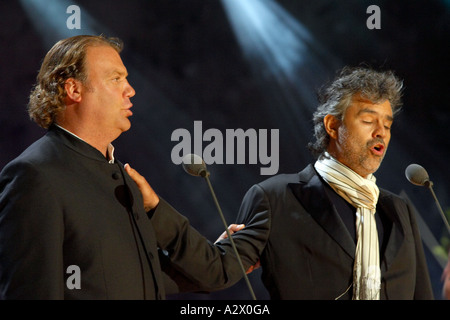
{"points": [[63, 204], [305, 249], [308, 253]]}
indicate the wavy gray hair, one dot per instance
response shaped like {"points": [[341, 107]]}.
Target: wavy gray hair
{"points": [[377, 86]]}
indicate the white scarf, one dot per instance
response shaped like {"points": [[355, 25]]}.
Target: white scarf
{"points": [[362, 193]]}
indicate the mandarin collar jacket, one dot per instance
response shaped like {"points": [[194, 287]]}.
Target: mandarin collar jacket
{"points": [[63, 204]]}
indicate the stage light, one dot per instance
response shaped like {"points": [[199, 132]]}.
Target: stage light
{"points": [[49, 18], [287, 59]]}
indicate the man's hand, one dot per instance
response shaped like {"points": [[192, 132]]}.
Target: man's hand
{"points": [[234, 228], [149, 196]]}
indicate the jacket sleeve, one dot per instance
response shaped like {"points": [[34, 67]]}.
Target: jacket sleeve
{"points": [[208, 266], [31, 235]]}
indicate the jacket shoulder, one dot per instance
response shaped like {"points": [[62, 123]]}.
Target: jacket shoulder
{"points": [[279, 181], [41, 156], [38, 151], [386, 195]]}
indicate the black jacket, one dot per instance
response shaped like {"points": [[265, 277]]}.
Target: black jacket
{"points": [[306, 251], [62, 204]]}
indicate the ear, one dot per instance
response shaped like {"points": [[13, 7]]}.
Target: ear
{"points": [[73, 89], [331, 124]]}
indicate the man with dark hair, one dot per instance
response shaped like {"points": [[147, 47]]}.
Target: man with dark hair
{"points": [[327, 232]]}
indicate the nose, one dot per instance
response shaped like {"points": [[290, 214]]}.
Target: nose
{"points": [[129, 90], [380, 131]]}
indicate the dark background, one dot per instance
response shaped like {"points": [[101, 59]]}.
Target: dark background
{"points": [[187, 63]]}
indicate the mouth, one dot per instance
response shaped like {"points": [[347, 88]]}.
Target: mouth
{"points": [[378, 149], [128, 111]]}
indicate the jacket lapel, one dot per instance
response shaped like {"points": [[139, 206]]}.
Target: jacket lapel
{"points": [[396, 237], [311, 194]]}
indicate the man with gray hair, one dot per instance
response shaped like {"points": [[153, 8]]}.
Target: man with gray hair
{"points": [[327, 232]]}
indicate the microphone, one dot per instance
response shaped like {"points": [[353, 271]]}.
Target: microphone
{"points": [[417, 175], [195, 166]]}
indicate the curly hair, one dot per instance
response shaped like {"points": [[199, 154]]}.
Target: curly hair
{"points": [[66, 59], [376, 86]]}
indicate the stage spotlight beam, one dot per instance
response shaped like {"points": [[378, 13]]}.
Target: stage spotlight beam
{"points": [[49, 18], [287, 60]]}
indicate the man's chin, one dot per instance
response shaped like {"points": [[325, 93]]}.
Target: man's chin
{"points": [[123, 127], [126, 125], [372, 168]]}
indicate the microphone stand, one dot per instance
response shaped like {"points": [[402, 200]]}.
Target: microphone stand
{"points": [[429, 184], [205, 174]]}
